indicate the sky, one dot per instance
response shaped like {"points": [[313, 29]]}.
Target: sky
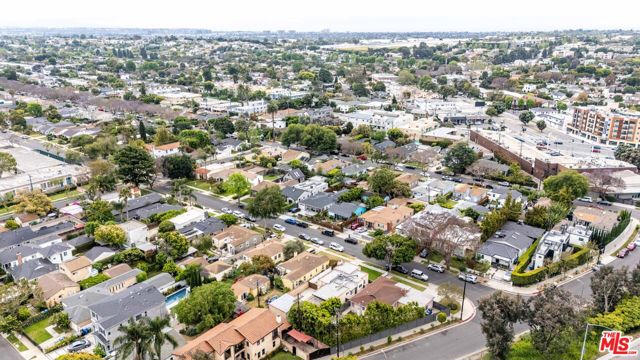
{"points": [[336, 15]]}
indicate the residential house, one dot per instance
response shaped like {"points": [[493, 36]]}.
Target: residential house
{"points": [[253, 285], [594, 217], [355, 170], [50, 248], [627, 187], [342, 282], [294, 175], [304, 346], [485, 167], [99, 253], [193, 215], [550, 248], [506, 246], [251, 336], [272, 249], [77, 269], [385, 145], [236, 239], [56, 286], [207, 227], [305, 189], [213, 271], [579, 235], [385, 218], [500, 194], [32, 270], [141, 300], [282, 305], [302, 268], [317, 203], [345, 210], [325, 167], [410, 179], [471, 193], [158, 151], [389, 292], [291, 154], [135, 232]]}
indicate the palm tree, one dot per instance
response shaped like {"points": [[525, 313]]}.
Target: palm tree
{"points": [[157, 336], [272, 108], [124, 194], [135, 340]]}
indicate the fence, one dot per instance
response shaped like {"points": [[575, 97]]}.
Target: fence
{"points": [[394, 330]]}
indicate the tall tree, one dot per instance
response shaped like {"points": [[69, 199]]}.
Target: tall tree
{"points": [[33, 202], [566, 186], [134, 340], [7, 163], [272, 108], [207, 306], [499, 313], [526, 116], [237, 184], [267, 203], [142, 130], [177, 167], [394, 249], [458, 157], [158, 336], [608, 287], [541, 125], [135, 165]]}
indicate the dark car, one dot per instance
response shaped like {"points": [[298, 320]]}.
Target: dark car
{"points": [[302, 224], [351, 240], [294, 210], [399, 268], [291, 221], [329, 233], [304, 237], [212, 259], [424, 253], [478, 179]]}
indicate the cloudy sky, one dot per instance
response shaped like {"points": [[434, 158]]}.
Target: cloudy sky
{"points": [[337, 15]]}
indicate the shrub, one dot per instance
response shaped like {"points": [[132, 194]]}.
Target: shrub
{"points": [[93, 281], [166, 226], [141, 277], [250, 297], [62, 343], [625, 317], [11, 224], [23, 313], [79, 356], [520, 278]]}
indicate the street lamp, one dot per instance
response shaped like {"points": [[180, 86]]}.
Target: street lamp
{"points": [[464, 292], [584, 340]]}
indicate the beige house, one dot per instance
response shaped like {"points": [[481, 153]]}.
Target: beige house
{"points": [[77, 269], [57, 286], [216, 270], [251, 336], [272, 249], [253, 284], [237, 239], [302, 268], [386, 218]]}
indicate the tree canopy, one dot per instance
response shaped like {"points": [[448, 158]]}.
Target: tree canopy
{"points": [[135, 165]]}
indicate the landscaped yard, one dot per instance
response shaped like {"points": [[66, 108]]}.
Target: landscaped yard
{"points": [[37, 331], [202, 185], [272, 177], [64, 194], [373, 274], [402, 280], [435, 257], [17, 343], [281, 355]]}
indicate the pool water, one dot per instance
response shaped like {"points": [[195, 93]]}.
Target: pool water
{"points": [[176, 297]]}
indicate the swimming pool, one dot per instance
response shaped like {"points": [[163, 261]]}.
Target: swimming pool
{"points": [[175, 298]]}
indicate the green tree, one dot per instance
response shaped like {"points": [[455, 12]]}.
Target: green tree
{"points": [[163, 136], [11, 224], [177, 166], [566, 186], [7, 163], [541, 125], [394, 249], [267, 203], [395, 134], [195, 139], [325, 76], [134, 340], [142, 130], [228, 219], [319, 138], [33, 202], [135, 165], [292, 134], [62, 321], [526, 116], [99, 211], [237, 184], [459, 157], [293, 247], [207, 306], [34, 109], [158, 335], [272, 108], [499, 314], [382, 181], [446, 91], [608, 288], [174, 243], [110, 234], [224, 125]]}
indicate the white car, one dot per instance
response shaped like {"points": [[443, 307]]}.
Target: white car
{"points": [[637, 242], [418, 274], [317, 241], [227, 211], [279, 227], [336, 247], [436, 267], [238, 214], [586, 199]]}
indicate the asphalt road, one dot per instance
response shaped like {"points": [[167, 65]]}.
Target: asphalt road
{"points": [[7, 351]]}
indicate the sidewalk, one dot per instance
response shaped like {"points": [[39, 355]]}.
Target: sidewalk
{"points": [[32, 352], [572, 274]]}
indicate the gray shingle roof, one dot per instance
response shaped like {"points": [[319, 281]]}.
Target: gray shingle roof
{"points": [[33, 269], [96, 251], [126, 304], [320, 200], [504, 250], [207, 226], [142, 201], [148, 211], [293, 193], [15, 237], [345, 209]]}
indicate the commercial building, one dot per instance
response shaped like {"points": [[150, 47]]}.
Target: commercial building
{"points": [[606, 126]]}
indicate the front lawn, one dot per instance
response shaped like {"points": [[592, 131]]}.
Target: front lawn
{"points": [[401, 279], [17, 343], [202, 185], [37, 331], [64, 195], [373, 274], [435, 257], [281, 355]]}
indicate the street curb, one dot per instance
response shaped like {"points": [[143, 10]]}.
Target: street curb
{"points": [[404, 342]]}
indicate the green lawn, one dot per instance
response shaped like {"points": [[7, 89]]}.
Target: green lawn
{"points": [[401, 279], [373, 274], [272, 177], [17, 343], [202, 185], [284, 356], [37, 331], [64, 194], [435, 257]]}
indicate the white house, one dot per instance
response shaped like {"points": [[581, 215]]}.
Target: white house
{"points": [[550, 247], [579, 235], [192, 215], [253, 107], [135, 232], [342, 282], [163, 150]]}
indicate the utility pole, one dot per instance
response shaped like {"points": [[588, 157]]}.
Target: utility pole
{"points": [[258, 291], [464, 292]]}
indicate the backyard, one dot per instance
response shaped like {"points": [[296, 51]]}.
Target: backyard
{"points": [[38, 332], [281, 355]]}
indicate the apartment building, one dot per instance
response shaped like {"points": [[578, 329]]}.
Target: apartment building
{"points": [[606, 126]]}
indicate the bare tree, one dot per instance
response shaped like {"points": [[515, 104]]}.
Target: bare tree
{"points": [[603, 183]]}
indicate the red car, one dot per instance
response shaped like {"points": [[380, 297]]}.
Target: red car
{"points": [[631, 246], [355, 225], [623, 253]]}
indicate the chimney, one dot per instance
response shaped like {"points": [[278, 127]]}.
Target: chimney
{"points": [[19, 258], [279, 319]]}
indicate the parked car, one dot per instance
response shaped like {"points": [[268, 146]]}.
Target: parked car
{"points": [[399, 268], [447, 178], [294, 210], [250, 218], [478, 179], [271, 299], [424, 253], [604, 202], [79, 345], [336, 247], [631, 246], [291, 221], [597, 267], [637, 242], [238, 214], [504, 183], [418, 274], [304, 236], [317, 241], [436, 267], [468, 277], [622, 253], [507, 277], [588, 199], [354, 225], [302, 224], [227, 211], [351, 240], [329, 233], [212, 259], [558, 142], [279, 227]]}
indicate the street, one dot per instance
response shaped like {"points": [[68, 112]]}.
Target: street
{"points": [[8, 351]]}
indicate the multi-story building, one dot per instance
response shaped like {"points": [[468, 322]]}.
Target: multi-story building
{"points": [[605, 126]]}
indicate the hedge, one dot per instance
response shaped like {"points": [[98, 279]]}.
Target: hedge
{"points": [[93, 281], [41, 316], [520, 278], [626, 316], [64, 342]]}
